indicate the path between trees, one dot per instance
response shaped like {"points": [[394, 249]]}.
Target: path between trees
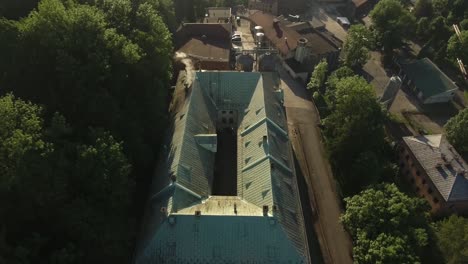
{"points": [[302, 117]]}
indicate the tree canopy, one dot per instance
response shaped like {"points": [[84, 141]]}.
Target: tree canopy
{"points": [[457, 47], [457, 134], [354, 131], [319, 75], [60, 198], [423, 8], [386, 225], [452, 239], [356, 47], [77, 152], [393, 23]]}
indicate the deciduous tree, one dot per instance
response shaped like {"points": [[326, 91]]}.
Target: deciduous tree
{"points": [[393, 24], [386, 225], [452, 238], [357, 45], [457, 134], [319, 75]]}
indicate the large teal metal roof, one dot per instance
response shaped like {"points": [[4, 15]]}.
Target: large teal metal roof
{"points": [[265, 179]]}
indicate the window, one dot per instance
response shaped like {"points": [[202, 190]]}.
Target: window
{"points": [[407, 157], [224, 112], [435, 200], [429, 190], [418, 173], [231, 120], [424, 181], [224, 120]]}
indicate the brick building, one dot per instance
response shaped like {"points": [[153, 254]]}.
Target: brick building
{"points": [[437, 173]]}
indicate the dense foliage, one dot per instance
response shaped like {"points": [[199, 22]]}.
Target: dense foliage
{"points": [[68, 180], [457, 132], [452, 234], [319, 76], [393, 23], [357, 45], [435, 22], [61, 200], [387, 226], [354, 132]]}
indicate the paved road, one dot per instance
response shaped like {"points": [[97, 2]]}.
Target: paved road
{"points": [[302, 117]]}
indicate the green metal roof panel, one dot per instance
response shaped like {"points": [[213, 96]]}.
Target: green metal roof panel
{"points": [[195, 239], [196, 163], [429, 79], [265, 176], [256, 184], [229, 90]]}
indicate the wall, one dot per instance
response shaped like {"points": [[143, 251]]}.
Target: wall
{"points": [[302, 75]]}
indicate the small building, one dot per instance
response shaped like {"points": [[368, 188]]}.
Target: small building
{"points": [[437, 173], [427, 81], [218, 15], [207, 44]]}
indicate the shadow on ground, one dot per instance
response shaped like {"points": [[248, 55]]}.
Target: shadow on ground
{"points": [[309, 219]]}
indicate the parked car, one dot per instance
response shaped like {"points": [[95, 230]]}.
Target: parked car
{"points": [[236, 39]]}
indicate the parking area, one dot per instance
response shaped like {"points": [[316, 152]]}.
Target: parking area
{"points": [[248, 42]]}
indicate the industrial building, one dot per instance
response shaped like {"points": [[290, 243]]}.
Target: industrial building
{"points": [[227, 190]]}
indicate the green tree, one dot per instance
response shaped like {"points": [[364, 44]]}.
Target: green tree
{"points": [[464, 24], [393, 24], [457, 47], [354, 127], [423, 8], [422, 28], [99, 68], [20, 133], [383, 249], [319, 75], [440, 7], [439, 30], [457, 134], [452, 238], [333, 80], [75, 194], [357, 45], [386, 225]]}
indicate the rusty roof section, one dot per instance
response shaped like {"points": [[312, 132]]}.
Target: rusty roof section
{"points": [[284, 38], [206, 41]]}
